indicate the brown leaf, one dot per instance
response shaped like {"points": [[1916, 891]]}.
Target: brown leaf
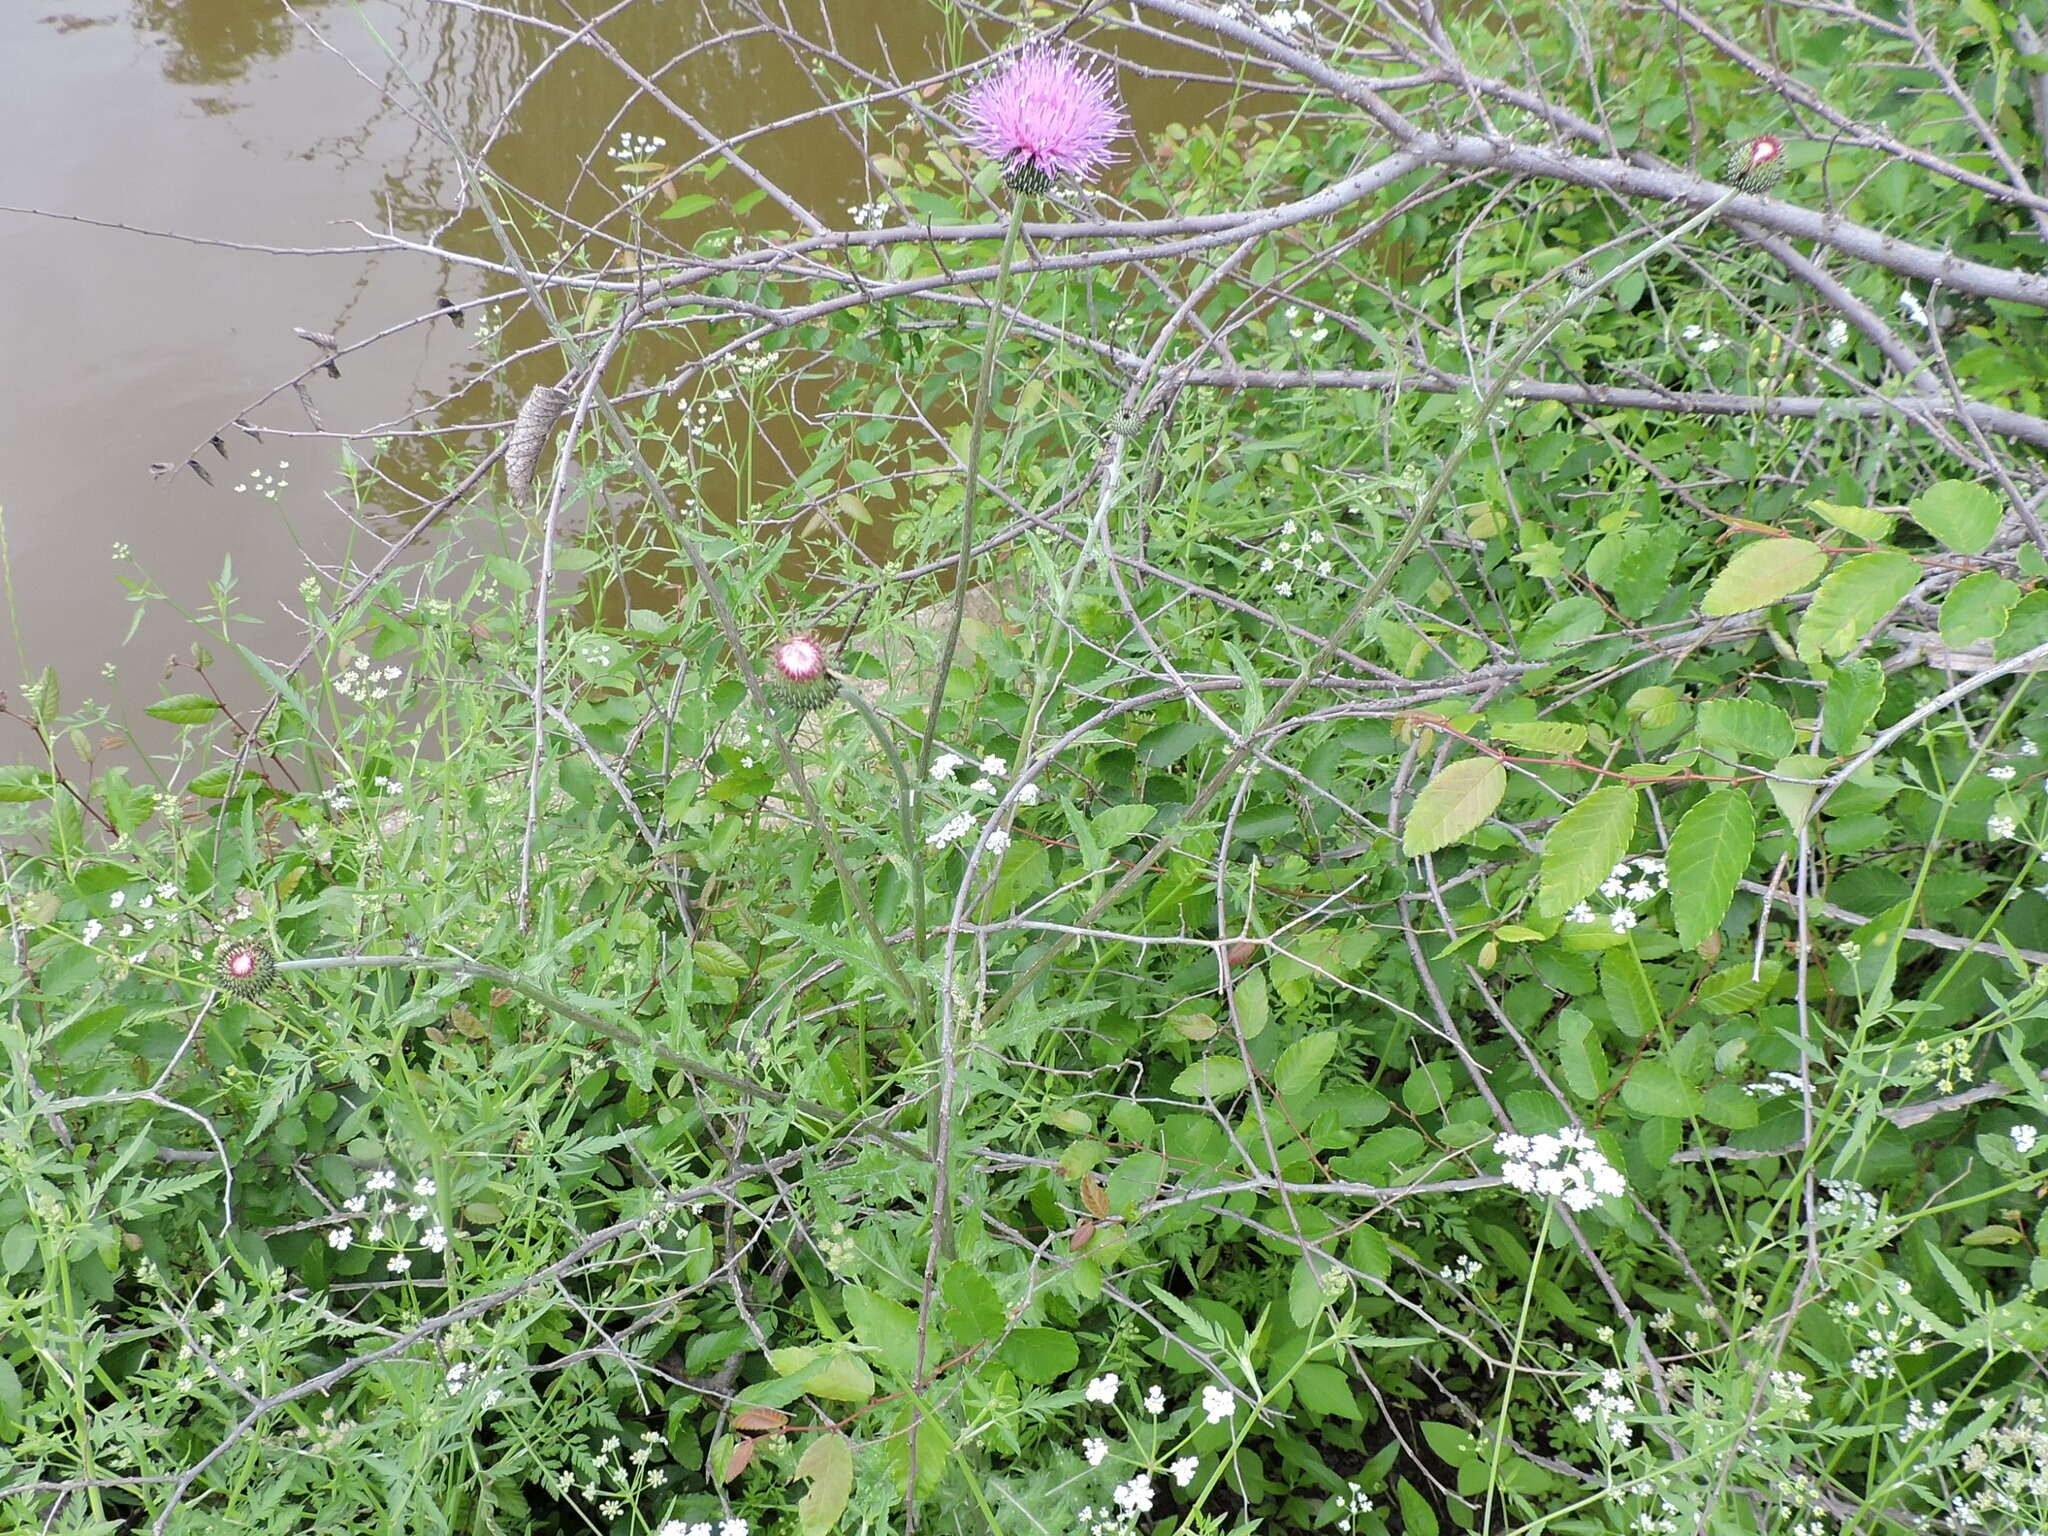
{"points": [[1095, 1196], [1241, 953], [760, 1421], [742, 1457], [1084, 1234]]}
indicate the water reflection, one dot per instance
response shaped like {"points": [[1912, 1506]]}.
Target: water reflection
{"points": [[213, 42]]}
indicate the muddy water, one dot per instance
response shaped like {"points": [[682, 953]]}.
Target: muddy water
{"points": [[201, 174]]}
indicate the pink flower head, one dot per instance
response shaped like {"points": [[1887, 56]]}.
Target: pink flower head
{"points": [[1754, 165], [798, 674], [1045, 114]]}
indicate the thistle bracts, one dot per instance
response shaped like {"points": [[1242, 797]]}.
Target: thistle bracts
{"points": [[244, 968], [536, 419], [1754, 165], [798, 677]]}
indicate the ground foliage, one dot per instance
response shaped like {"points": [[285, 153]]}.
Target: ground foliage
{"points": [[676, 1108]]}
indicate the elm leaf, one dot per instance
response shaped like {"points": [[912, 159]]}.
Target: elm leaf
{"points": [[1453, 804], [1710, 849], [1762, 572], [1583, 848]]}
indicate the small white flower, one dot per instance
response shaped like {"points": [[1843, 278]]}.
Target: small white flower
{"points": [[117, 899], [435, 1239], [994, 766], [1217, 1403], [424, 1188], [2001, 772], [339, 1237], [733, 1527], [945, 764], [1621, 919], [2024, 1138], [93, 929], [983, 786], [1183, 1471], [998, 842], [1094, 1449], [1029, 794], [1103, 1388], [2001, 827], [1838, 335], [1155, 1399], [1135, 1497], [399, 1263], [1579, 914], [383, 1178]]}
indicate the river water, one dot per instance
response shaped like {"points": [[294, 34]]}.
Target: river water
{"points": [[187, 181]]}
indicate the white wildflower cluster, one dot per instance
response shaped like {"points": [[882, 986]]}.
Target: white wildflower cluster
{"points": [[2024, 1139], [1927, 1420], [634, 147], [1564, 1166], [2000, 771], [1886, 1330], [705, 412], [751, 359], [1298, 554], [1304, 325], [363, 683], [1286, 20], [869, 215], [1943, 1064], [1998, 828], [946, 769], [1462, 1270], [1704, 342], [1786, 1391], [2010, 1464], [125, 918], [1629, 887], [703, 1528], [1911, 307], [1607, 1407], [1351, 1505], [1775, 1085], [263, 483], [1837, 335], [1848, 1202], [391, 1218]]}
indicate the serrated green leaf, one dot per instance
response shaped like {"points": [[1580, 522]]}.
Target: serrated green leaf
{"points": [[1299, 1072], [1849, 604], [1453, 803], [1855, 694], [1873, 527], [1039, 1355], [185, 709], [21, 784], [1792, 784], [1539, 735], [715, 959], [1214, 1077], [974, 1309], [1583, 848], [1579, 1054], [1120, 823], [1762, 572], [1739, 727], [687, 204], [1323, 1389], [1710, 849], [827, 1465], [1626, 987], [1977, 609], [1653, 1087], [1960, 513]]}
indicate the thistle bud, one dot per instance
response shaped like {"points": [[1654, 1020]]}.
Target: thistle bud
{"points": [[798, 675], [1754, 165], [244, 968]]}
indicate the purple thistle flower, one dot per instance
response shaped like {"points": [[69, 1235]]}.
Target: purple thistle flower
{"points": [[1044, 114]]}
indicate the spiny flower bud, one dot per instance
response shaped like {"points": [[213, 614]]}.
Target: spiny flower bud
{"points": [[798, 675], [1754, 165], [244, 968]]}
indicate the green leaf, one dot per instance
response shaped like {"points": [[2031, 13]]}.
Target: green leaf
{"points": [[1738, 727], [887, 1327], [1961, 514], [1579, 1054], [689, 203], [1120, 823], [1213, 1077], [836, 1374], [1851, 601], [1626, 986], [1299, 1071], [1792, 784], [1762, 572], [1583, 848], [1738, 990], [1654, 1088], [185, 709], [827, 1465], [1854, 695], [20, 784], [1556, 736], [1874, 527], [1136, 1180], [1325, 1390], [1453, 803], [974, 1309], [1710, 849], [1977, 609], [1039, 1355]]}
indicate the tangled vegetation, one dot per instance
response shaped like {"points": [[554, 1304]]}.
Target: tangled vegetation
{"points": [[1341, 833]]}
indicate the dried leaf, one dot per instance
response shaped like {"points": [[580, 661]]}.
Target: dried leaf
{"points": [[742, 1457], [319, 339], [199, 469], [1095, 1196], [537, 418], [760, 1421], [306, 399]]}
